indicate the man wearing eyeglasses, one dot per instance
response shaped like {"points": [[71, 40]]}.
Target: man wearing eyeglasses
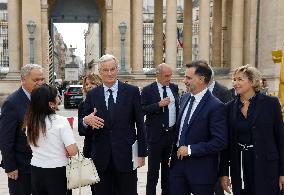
{"points": [[16, 153], [113, 114]]}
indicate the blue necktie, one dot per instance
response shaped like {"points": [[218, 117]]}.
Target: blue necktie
{"points": [[185, 123], [166, 109], [110, 104]]}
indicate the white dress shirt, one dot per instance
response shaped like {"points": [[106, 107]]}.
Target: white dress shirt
{"points": [[211, 86], [171, 106], [198, 98], [114, 89]]}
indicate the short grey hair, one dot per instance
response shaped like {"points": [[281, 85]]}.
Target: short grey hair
{"points": [[160, 68], [26, 69], [106, 58]]}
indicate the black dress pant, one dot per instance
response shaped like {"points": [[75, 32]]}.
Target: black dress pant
{"points": [[114, 182], [159, 153], [49, 181], [248, 172], [21, 186]]}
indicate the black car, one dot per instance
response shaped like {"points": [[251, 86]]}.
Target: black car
{"points": [[73, 96]]}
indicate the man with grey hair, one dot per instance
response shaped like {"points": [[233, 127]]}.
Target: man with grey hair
{"points": [[160, 105], [16, 153], [114, 118]]}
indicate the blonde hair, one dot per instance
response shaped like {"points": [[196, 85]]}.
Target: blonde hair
{"points": [[252, 73], [94, 79]]}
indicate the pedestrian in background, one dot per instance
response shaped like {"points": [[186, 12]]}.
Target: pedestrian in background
{"points": [[89, 82], [52, 142], [16, 153], [160, 101], [255, 155]]}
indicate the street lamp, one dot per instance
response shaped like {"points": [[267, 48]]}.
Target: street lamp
{"points": [[122, 29], [31, 25]]}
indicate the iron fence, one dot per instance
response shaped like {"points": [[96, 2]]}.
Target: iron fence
{"points": [[4, 56], [148, 45]]}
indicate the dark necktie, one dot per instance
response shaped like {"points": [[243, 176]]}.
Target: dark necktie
{"points": [[110, 104], [185, 123], [166, 109]]}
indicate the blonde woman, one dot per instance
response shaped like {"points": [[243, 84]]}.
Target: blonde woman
{"points": [[256, 139]]}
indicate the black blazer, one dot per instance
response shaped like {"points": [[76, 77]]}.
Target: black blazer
{"points": [[268, 140], [14, 147], [222, 93], [115, 139], [150, 98]]}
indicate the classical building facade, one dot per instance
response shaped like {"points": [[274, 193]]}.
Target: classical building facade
{"points": [[243, 31]]}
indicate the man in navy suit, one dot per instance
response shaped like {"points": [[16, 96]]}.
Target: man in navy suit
{"points": [[15, 150], [114, 115], [160, 105], [201, 134]]}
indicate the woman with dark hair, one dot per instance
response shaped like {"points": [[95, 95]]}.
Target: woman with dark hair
{"points": [[52, 141], [255, 154]]}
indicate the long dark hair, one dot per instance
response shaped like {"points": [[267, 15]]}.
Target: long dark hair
{"points": [[37, 111]]}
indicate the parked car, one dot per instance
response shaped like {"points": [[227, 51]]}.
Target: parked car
{"points": [[73, 96]]}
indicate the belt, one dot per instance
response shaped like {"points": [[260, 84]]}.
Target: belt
{"points": [[245, 147]]}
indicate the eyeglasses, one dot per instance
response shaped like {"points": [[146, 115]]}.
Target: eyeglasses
{"points": [[107, 71]]}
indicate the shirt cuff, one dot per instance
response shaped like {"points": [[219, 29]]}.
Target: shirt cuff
{"points": [[188, 150], [84, 124]]}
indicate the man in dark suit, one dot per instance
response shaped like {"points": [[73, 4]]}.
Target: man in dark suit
{"points": [[160, 104], [224, 95], [113, 113], [15, 150], [201, 134]]}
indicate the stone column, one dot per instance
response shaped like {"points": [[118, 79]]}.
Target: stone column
{"points": [[34, 15], [237, 34], [204, 29], [137, 36], [224, 41], [14, 36], [187, 32], [171, 34], [217, 33], [108, 27], [158, 32], [44, 37]]}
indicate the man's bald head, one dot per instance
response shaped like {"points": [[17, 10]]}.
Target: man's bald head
{"points": [[164, 74]]}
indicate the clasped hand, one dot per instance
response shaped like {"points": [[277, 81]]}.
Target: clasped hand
{"points": [[94, 121]]}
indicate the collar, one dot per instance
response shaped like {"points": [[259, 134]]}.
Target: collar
{"points": [[200, 95], [27, 93], [211, 86], [160, 85], [113, 88]]}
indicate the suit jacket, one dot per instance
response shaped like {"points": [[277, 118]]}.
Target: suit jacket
{"points": [[206, 135], [14, 147], [150, 98], [268, 140], [222, 93], [115, 139]]}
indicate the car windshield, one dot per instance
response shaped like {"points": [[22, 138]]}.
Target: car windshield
{"points": [[75, 90]]}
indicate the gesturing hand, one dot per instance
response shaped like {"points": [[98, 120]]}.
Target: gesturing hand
{"points": [[94, 121]]}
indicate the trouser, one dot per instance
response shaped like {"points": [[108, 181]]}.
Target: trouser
{"points": [[21, 186], [49, 181]]}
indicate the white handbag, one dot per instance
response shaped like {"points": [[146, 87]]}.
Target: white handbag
{"points": [[81, 171]]}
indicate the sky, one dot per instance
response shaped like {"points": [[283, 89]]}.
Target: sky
{"points": [[73, 34]]}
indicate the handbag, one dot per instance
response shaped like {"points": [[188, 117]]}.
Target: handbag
{"points": [[81, 171]]}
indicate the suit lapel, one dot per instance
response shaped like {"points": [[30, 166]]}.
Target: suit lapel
{"points": [[199, 107], [257, 107], [155, 90], [183, 106], [120, 98], [102, 103]]}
